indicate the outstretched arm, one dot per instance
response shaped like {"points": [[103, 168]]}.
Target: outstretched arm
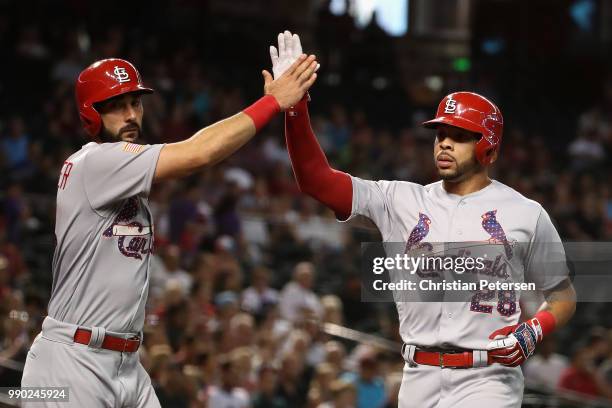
{"points": [[216, 142], [313, 173]]}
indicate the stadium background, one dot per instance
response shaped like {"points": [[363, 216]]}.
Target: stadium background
{"points": [[243, 223]]}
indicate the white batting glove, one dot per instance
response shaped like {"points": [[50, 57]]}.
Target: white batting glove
{"points": [[289, 49], [517, 346]]}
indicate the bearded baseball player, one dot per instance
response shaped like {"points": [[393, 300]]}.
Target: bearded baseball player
{"points": [[458, 354], [104, 231]]}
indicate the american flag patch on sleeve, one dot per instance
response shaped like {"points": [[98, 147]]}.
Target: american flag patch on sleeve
{"points": [[132, 148]]}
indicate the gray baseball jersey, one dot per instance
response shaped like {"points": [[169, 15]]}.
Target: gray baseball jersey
{"points": [[104, 236], [411, 213]]}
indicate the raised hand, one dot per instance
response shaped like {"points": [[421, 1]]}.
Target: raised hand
{"points": [[291, 86], [289, 49]]}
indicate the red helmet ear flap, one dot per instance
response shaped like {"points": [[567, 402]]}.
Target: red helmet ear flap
{"points": [[91, 120], [484, 151]]}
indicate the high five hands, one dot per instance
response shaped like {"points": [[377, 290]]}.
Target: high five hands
{"points": [[294, 72], [288, 51]]}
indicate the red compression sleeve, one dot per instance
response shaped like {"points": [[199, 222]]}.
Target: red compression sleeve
{"points": [[312, 171], [262, 111]]}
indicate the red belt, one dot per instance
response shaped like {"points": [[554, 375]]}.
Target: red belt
{"points": [[131, 345], [441, 359]]}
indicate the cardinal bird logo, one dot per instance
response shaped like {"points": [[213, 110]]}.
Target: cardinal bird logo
{"points": [[496, 232], [419, 232]]}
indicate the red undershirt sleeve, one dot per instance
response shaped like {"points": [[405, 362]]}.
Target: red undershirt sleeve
{"points": [[313, 173]]}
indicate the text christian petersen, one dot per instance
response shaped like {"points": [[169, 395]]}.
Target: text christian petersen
{"points": [[457, 264]]}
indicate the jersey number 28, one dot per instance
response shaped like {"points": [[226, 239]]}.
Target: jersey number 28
{"points": [[506, 302]]}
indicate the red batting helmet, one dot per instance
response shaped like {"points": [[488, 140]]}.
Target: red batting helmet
{"points": [[100, 81], [473, 112]]}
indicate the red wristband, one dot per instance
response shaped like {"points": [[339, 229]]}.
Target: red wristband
{"points": [[263, 110], [547, 322]]}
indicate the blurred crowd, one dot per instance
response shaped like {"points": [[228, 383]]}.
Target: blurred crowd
{"points": [[246, 269]]}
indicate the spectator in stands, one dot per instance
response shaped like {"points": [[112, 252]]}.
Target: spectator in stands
{"points": [[177, 319], [293, 384], [207, 363], [228, 393], [265, 396], [173, 389], [332, 309], [242, 330], [325, 374], [14, 205], [259, 294], [297, 298], [581, 376], [14, 345], [335, 354], [176, 276], [546, 366], [183, 209], [159, 358], [344, 395], [587, 150], [368, 383], [318, 231], [15, 146]]}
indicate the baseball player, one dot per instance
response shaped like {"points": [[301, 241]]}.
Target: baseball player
{"points": [[458, 354], [104, 231]]}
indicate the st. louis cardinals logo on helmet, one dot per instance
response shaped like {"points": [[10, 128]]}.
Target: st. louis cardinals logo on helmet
{"points": [[450, 106], [121, 74]]}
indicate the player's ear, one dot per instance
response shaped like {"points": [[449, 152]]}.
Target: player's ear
{"points": [[493, 155]]}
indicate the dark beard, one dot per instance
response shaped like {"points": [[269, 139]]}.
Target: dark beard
{"points": [[463, 171], [106, 136]]}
